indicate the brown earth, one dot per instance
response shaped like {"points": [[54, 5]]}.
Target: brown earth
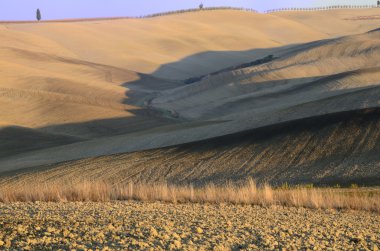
{"points": [[159, 226], [67, 94]]}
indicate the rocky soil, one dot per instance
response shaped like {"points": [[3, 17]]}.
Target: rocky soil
{"points": [[160, 226]]}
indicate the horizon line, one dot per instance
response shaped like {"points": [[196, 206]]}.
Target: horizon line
{"points": [[182, 11]]}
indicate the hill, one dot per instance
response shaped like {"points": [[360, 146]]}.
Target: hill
{"points": [[340, 148], [77, 90]]}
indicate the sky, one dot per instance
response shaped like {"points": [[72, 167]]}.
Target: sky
{"points": [[61, 9]]}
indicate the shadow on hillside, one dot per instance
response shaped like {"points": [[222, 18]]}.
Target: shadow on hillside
{"points": [[147, 117], [188, 69], [15, 139], [142, 120], [147, 86], [200, 65], [140, 92], [208, 62]]}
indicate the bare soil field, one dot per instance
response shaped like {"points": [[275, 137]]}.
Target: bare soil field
{"points": [[161, 226]]}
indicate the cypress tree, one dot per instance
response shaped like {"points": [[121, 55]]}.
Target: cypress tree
{"points": [[38, 15]]}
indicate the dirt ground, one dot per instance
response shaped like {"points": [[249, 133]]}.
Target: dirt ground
{"points": [[159, 226]]}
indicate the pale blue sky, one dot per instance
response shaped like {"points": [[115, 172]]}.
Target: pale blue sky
{"points": [[60, 9]]}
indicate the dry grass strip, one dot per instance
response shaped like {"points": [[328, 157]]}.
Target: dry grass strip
{"points": [[249, 193]]}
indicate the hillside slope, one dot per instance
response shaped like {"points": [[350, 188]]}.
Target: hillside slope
{"points": [[335, 22], [78, 90], [308, 73], [312, 79], [151, 45], [340, 148], [77, 79]]}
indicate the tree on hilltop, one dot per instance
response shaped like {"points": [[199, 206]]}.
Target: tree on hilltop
{"points": [[201, 6], [38, 15]]}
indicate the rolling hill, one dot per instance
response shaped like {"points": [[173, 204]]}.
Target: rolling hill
{"points": [[74, 94], [340, 148]]}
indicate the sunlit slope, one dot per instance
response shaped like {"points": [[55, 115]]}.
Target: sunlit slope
{"points": [[49, 92], [146, 45], [340, 148], [336, 22], [40, 90], [308, 73]]}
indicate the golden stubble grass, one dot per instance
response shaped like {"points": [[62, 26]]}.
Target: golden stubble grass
{"points": [[247, 193]]}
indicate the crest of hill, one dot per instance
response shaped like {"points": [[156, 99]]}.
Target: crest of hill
{"points": [[182, 11]]}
